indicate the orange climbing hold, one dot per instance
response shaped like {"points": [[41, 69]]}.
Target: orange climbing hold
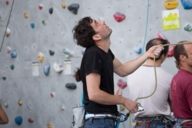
{"points": [[171, 4]]}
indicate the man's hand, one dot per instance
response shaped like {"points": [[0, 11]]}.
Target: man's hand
{"points": [[154, 51], [130, 105]]}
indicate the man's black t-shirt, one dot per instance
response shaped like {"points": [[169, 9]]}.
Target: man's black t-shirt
{"points": [[95, 60]]}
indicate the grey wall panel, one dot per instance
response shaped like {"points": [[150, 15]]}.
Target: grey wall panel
{"points": [[143, 22]]}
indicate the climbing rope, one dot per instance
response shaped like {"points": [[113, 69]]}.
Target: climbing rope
{"points": [[3, 40], [155, 73]]}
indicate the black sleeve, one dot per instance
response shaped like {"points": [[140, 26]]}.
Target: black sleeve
{"points": [[113, 56], [93, 63]]}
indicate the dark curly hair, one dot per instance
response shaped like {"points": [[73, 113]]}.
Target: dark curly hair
{"points": [[83, 32], [156, 41]]}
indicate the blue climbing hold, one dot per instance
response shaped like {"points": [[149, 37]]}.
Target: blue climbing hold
{"points": [[50, 10], [13, 54], [32, 25], [46, 69], [138, 50], [187, 4], [18, 120]]}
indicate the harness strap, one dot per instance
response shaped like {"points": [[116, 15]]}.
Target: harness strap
{"points": [[186, 121], [87, 116]]}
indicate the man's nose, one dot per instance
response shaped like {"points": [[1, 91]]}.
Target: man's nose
{"points": [[101, 21]]}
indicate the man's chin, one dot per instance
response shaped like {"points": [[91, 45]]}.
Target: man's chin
{"points": [[110, 32]]}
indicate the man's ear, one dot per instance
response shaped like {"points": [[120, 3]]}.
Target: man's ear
{"points": [[183, 57], [96, 37]]}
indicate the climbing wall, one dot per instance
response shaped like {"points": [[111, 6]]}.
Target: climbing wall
{"points": [[38, 56]]}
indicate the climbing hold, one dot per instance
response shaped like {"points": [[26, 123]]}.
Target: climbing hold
{"points": [[32, 25], [8, 32], [43, 22], [46, 69], [58, 67], [7, 2], [160, 35], [18, 120], [8, 49], [50, 10], [4, 77], [50, 125], [188, 28], [71, 86], [51, 52], [12, 67], [6, 105], [26, 15], [62, 108], [13, 54], [74, 8], [30, 120], [138, 50], [52, 94], [187, 4], [40, 57], [40, 6], [171, 4], [121, 84], [68, 54], [118, 16], [63, 5], [171, 51], [20, 102]]}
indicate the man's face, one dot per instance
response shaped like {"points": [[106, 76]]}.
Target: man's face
{"points": [[101, 29]]}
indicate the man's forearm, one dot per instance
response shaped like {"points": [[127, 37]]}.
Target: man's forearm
{"points": [[130, 66], [105, 98]]}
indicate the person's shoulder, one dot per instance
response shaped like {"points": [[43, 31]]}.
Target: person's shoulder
{"points": [[92, 52], [91, 49]]}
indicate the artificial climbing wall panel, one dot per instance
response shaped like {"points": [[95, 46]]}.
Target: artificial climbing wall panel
{"points": [[38, 55]]}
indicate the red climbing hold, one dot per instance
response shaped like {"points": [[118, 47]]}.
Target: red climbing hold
{"points": [[119, 16], [171, 51]]}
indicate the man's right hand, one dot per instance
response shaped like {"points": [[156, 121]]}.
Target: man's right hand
{"points": [[130, 105]]}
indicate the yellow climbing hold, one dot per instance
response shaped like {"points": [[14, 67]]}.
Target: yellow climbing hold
{"points": [[40, 57]]}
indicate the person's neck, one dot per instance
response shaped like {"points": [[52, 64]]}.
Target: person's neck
{"points": [[186, 68], [151, 63], [104, 45]]}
